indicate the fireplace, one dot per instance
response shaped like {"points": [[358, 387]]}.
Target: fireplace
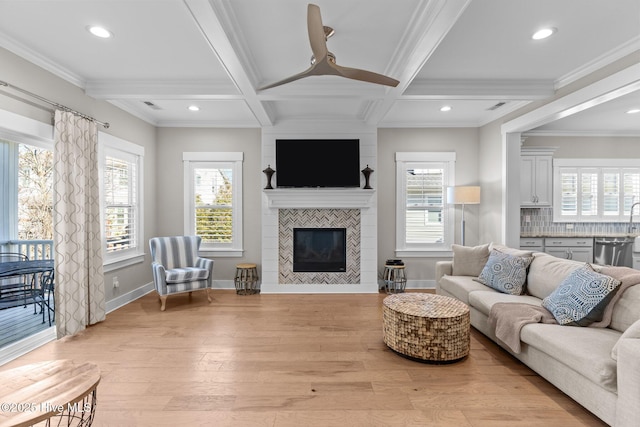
{"points": [[354, 209], [320, 250]]}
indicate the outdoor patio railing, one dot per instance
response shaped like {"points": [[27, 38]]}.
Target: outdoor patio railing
{"points": [[33, 249]]}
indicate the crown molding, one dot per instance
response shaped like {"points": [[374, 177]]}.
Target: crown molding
{"points": [[41, 61], [602, 61]]}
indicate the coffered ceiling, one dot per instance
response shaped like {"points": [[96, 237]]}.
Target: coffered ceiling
{"points": [[476, 56]]}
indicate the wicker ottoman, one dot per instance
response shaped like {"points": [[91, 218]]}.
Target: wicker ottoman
{"points": [[426, 327]]}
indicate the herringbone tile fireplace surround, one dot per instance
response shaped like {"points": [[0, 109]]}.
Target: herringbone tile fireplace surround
{"points": [[319, 218]]}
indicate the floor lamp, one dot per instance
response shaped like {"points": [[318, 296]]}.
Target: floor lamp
{"points": [[465, 195]]}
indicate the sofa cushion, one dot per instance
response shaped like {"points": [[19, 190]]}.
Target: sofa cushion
{"points": [[461, 286], [627, 309], [187, 274], [546, 272], [505, 273], [511, 251], [632, 331], [484, 300], [469, 261], [628, 277], [582, 297], [585, 350]]}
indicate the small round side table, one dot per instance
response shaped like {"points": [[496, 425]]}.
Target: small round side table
{"points": [[395, 280], [55, 392], [246, 279]]}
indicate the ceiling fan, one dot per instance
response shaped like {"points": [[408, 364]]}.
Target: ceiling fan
{"points": [[323, 62]]}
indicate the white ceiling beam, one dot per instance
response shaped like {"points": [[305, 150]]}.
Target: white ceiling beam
{"points": [[480, 89], [209, 23], [430, 25]]}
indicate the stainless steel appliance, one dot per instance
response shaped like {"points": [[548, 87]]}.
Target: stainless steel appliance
{"points": [[613, 251]]}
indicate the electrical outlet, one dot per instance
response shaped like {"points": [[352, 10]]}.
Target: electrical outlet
{"points": [[527, 218], [116, 283], [569, 226]]}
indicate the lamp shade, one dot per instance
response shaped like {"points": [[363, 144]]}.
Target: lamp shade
{"points": [[463, 195]]}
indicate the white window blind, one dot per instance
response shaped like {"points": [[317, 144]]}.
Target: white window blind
{"points": [[424, 221], [120, 189], [591, 190]]}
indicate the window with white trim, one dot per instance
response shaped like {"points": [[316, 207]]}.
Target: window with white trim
{"points": [[424, 221], [213, 201], [121, 164], [26, 196], [595, 190]]}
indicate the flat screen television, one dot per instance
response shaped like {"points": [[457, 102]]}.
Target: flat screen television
{"points": [[318, 163]]}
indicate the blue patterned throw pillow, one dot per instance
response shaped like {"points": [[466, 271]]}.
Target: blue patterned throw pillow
{"points": [[505, 273], [582, 297]]}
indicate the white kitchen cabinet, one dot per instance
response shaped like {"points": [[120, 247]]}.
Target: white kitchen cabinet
{"points": [[536, 177], [535, 244], [574, 248]]}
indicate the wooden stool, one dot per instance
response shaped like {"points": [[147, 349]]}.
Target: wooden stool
{"points": [[394, 278], [246, 279]]}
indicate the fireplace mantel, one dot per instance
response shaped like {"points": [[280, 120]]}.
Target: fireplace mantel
{"points": [[319, 198]]}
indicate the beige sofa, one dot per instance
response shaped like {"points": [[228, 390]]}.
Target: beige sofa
{"points": [[578, 360]]}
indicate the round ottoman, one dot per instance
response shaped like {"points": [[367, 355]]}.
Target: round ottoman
{"points": [[426, 327]]}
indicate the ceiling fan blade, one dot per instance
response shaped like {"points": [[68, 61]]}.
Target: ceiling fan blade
{"points": [[317, 37], [365, 76], [306, 73]]}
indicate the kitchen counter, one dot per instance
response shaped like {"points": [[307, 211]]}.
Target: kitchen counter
{"points": [[578, 234]]}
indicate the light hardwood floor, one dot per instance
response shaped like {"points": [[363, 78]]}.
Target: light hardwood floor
{"points": [[294, 360]]}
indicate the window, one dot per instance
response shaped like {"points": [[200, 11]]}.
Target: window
{"points": [[35, 193], [121, 177], [213, 201], [26, 193], [592, 190], [424, 220]]}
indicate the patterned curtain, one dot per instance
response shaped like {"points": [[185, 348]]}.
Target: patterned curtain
{"points": [[80, 297]]}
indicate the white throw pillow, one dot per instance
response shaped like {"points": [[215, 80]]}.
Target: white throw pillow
{"points": [[469, 260], [632, 331]]}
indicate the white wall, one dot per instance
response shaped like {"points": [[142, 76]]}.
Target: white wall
{"points": [[25, 75], [491, 178], [462, 141], [168, 206]]}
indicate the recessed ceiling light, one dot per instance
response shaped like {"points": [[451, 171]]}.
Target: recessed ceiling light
{"points": [[543, 33], [633, 111], [194, 108], [445, 108], [98, 31]]}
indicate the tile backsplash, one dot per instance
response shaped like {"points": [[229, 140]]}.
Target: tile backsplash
{"points": [[541, 223]]}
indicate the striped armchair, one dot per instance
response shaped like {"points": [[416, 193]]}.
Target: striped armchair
{"points": [[177, 268]]}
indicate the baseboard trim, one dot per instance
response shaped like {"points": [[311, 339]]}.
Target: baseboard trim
{"points": [[122, 300], [24, 346]]}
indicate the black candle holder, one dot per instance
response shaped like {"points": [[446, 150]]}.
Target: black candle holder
{"points": [[269, 172], [367, 173]]}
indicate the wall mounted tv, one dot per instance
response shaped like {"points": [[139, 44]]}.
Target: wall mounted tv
{"points": [[318, 162]]}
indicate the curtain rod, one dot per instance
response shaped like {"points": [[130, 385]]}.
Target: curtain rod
{"points": [[55, 104]]}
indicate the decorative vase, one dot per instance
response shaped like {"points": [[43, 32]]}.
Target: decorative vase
{"points": [[367, 173], [269, 172]]}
